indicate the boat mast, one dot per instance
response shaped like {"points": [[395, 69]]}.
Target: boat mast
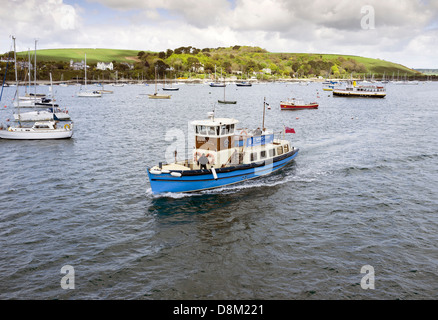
{"points": [[28, 70], [224, 85], [53, 98], [155, 79], [34, 70], [85, 71], [264, 104], [16, 80]]}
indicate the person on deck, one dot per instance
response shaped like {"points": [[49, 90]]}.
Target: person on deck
{"points": [[203, 161]]}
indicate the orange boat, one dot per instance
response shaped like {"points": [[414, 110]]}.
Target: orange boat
{"points": [[296, 104]]}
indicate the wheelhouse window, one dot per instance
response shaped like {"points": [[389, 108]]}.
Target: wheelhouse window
{"points": [[227, 129], [263, 154], [253, 156], [286, 148], [279, 150], [201, 130], [211, 131]]}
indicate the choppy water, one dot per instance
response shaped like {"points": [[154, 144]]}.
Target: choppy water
{"points": [[362, 191]]}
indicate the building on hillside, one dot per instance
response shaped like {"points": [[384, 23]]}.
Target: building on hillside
{"points": [[267, 70], [197, 67], [77, 65], [104, 66], [25, 65]]}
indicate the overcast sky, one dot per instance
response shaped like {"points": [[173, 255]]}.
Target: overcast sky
{"points": [[402, 31]]}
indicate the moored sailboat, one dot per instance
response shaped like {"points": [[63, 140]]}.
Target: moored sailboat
{"points": [[86, 93], [41, 130], [157, 95]]}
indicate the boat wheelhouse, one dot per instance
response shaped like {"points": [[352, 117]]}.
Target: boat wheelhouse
{"points": [[222, 155]]}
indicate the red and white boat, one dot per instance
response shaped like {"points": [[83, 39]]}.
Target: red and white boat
{"points": [[296, 104]]}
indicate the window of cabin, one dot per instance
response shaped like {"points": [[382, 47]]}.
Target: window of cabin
{"points": [[253, 156], [202, 130], [224, 129], [211, 131], [271, 153], [279, 150], [263, 154], [286, 148], [232, 128]]}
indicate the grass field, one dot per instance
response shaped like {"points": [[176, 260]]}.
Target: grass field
{"points": [[78, 54]]}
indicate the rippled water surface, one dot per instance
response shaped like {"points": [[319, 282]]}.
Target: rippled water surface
{"points": [[362, 191]]}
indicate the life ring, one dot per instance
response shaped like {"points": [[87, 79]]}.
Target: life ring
{"points": [[10, 129], [196, 156], [67, 127], [242, 134], [210, 156]]}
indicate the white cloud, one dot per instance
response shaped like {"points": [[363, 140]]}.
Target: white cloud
{"points": [[36, 19], [405, 30]]}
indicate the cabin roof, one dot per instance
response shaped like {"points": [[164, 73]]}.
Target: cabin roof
{"points": [[215, 122]]}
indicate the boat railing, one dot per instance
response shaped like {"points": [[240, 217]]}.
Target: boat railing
{"points": [[253, 139]]}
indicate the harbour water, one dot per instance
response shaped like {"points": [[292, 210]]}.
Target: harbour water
{"points": [[361, 192]]}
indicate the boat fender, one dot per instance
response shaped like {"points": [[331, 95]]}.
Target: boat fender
{"points": [[176, 174], [165, 171], [67, 127], [213, 171], [154, 171]]}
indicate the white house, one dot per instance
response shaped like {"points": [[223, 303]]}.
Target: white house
{"points": [[104, 66], [77, 65]]}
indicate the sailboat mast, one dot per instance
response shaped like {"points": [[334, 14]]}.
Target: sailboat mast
{"points": [[155, 79], [53, 99], [224, 85], [16, 80], [34, 68], [28, 69], [85, 71]]}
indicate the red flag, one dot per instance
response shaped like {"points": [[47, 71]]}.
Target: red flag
{"points": [[288, 130]]}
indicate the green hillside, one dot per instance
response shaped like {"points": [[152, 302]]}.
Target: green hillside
{"points": [[239, 61]]}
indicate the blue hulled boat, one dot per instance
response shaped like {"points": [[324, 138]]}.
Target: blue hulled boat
{"points": [[223, 155]]}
